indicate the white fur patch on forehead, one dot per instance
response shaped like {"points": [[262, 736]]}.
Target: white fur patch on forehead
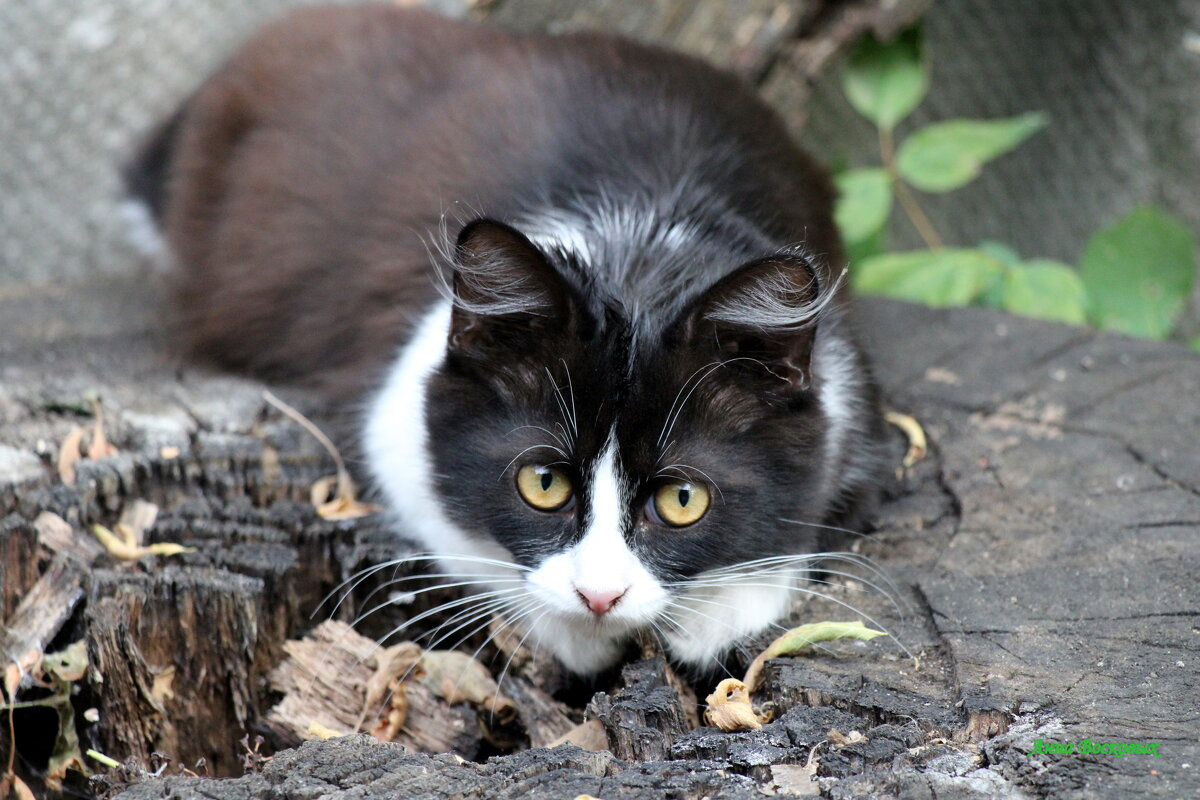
{"points": [[608, 491], [602, 560]]}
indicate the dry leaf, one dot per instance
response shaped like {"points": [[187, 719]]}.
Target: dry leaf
{"points": [[839, 739], [319, 731], [729, 707], [345, 503], [801, 637], [456, 678], [69, 664], [126, 548], [398, 662], [68, 454], [395, 665], [589, 735], [392, 722], [917, 446], [100, 447], [168, 453], [71, 450]]}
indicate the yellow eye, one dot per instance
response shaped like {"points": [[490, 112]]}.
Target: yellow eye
{"points": [[544, 488], [679, 503]]}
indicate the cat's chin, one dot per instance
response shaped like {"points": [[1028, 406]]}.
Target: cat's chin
{"points": [[583, 646]]}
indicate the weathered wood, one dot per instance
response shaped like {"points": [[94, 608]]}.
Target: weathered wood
{"points": [[18, 562], [643, 718], [42, 612], [325, 679], [172, 662], [544, 719]]}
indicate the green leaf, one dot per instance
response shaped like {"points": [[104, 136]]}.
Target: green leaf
{"points": [[864, 203], [1045, 289], [1139, 272], [1001, 252], [993, 294], [884, 82], [951, 277], [798, 638], [1196, 344], [947, 155], [873, 245]]}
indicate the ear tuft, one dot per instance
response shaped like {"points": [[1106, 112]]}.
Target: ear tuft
{"points": [[766, 312], [503, 286]]}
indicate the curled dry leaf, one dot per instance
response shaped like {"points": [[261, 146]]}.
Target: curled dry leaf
{"points": [[336, 497], [69, 453], [729, 707], [457, 678], [839, 739], [123, 544], [395, 665], [100, 447], [345, 503], [801, 637], [917, 445], [72, 451]]}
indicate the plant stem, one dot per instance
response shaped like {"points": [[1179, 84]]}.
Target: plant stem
{"points": [[887, 150]]}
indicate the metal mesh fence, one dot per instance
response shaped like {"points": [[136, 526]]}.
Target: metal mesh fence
{"points": [[82, 81]]}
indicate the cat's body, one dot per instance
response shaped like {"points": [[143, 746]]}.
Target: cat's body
{"points": [[648, 324]]}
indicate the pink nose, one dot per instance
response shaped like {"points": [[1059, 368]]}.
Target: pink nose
{"points": [[599, 603]]}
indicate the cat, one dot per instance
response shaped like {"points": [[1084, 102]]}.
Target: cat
{"points": [[588, 292]]}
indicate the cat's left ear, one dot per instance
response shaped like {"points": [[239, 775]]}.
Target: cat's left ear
{"points": [[506, 293], [765, 314]]}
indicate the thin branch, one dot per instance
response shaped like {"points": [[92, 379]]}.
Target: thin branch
{"points": [[887, 150]]}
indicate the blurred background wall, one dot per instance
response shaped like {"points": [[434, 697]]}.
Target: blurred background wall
{"points": [[82, 81]]}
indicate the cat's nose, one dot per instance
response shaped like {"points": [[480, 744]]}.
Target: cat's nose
{"points": [[600, 603]]}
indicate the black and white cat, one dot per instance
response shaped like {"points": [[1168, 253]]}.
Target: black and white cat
{"points": [[636, 402]]}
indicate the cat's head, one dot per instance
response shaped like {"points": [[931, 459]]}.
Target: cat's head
{"points": [[612, 452]]}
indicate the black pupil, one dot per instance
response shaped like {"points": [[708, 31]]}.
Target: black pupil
{"points": [[547, 480], [685, 495]]}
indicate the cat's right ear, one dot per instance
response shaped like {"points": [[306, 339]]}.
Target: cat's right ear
{"points": [[505, 290]]}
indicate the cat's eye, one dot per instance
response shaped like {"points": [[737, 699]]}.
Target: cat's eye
{"points": [[679, 503], [544, 488]]}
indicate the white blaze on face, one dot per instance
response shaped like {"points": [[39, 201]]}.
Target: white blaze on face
{"points": [[601, 562]]}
